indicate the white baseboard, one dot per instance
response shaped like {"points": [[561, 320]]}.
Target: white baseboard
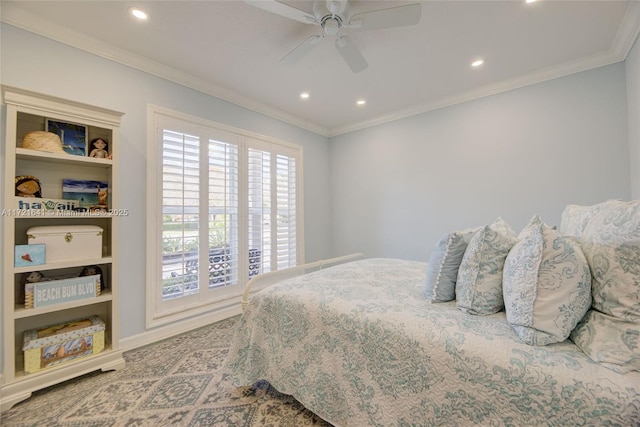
{"points": [[179, 327]]}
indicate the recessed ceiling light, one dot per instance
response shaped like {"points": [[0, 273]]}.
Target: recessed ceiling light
{"points": [[304, 95], [477, 63], [361, 102], [139, 13], [529, 1]]}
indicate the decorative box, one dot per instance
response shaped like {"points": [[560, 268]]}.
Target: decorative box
{"points": [[52, 292], [50, 346], [68, 242]]}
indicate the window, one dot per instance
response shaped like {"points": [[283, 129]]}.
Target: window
{"points": [[226, 207]]}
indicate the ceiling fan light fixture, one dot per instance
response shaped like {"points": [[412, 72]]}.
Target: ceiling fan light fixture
{"points": [[331, 26]]}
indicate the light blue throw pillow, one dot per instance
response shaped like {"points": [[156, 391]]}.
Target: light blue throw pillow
{"points": [[546, 285], [444, 262], [479, 283]]}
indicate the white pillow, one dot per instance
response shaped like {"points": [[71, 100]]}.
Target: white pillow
{"points": [[546, 285], [610, 332], [444, 262], [574, 218], [479, 283]]}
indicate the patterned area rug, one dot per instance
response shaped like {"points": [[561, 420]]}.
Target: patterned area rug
{"points": [[179, 381]]}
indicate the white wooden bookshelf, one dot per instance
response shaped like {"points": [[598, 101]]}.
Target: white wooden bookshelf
{"points": [[27, 111]]}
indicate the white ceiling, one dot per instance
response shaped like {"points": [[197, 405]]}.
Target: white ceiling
{"points": [[232, 50]]}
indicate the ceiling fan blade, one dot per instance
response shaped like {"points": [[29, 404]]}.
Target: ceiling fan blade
{"points": [[399, 16], [285, 10], [301, 50], [351, 54]]}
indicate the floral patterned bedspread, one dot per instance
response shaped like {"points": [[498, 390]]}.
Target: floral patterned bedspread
{"points": [[358, 345]]}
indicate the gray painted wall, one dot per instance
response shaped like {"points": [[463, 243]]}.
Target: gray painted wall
{"points": [[398, 187], [632, 66], [42, 65]]}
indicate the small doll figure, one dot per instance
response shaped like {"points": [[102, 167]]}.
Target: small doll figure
{"points": [[99, 149], [92, 270], [28, 186]]}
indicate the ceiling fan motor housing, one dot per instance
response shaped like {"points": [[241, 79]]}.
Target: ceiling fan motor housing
{"points": [[335, 7]]}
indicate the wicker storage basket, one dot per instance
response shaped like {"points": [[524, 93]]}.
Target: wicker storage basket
{"points": [[42, 141]]}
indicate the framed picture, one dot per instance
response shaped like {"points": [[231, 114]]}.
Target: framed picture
{"points": [[90, 195], [72, 135], [28, 255]]}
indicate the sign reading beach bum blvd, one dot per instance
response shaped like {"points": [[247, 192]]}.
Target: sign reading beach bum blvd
{"points": [[61, 291]]}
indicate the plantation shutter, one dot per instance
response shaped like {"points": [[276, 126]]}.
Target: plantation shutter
{"points": [[259, 206], [224, 207], [272, 209], [223, 230], [286, 211], [180, 211]]}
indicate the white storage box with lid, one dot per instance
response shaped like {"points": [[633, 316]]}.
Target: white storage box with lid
{"points": [[68, 242]]}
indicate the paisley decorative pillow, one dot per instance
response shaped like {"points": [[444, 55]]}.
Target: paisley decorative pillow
{"points": [[611, 342], [611, 243], [444, 262], [546, 285], [479, 283]]}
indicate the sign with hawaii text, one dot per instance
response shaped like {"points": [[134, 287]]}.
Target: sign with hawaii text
{"points": [[46, 205]]}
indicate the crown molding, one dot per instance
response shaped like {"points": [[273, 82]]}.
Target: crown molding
{"points": [[627, 34], [622, 44], [29, 22], [539, 76]]}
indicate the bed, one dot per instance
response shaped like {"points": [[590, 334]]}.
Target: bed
{"points": [[357, 344]]}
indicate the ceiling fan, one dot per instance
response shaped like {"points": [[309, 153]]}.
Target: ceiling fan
{"points": [[333, 16]]}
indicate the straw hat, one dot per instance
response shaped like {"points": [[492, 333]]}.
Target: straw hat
{"points": [[42, 141]]}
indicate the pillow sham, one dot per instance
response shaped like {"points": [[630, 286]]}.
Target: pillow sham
{"points": [[610, 333], [444, 262], [574, 218], [611, 342], [546, 285], [479, 282]]}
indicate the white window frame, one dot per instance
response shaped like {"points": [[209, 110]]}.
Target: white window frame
{"points": [[159, 312]]}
